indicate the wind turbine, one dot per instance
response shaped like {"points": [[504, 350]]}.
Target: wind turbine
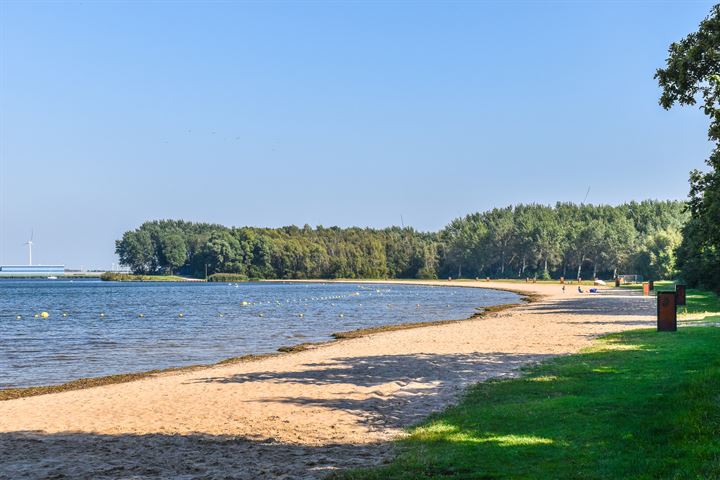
{"points": [[29, 244]]}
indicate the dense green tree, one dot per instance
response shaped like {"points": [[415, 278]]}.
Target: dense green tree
{"points": [[172, 251], [222, 253], [692, 75], [547, 238], [656, 260], [464, 238], [501, 228], [136, 251]]}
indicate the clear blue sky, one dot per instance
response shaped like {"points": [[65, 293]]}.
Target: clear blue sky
{"points": [[329, 113]]}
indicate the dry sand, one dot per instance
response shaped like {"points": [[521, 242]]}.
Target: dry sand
{"points": [[298, 415]]}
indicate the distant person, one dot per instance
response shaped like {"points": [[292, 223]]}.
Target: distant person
{"points": [[563, 288], [580, 289]]}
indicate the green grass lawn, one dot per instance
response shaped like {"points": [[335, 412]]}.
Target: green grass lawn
{"points": [[700, 301], [640, 404]]}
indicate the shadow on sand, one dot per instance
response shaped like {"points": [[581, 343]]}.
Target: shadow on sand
{"points": [[419, 382], [37, 455]]}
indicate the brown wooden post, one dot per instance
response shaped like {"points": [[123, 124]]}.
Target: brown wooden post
{"points": [[680, 294], [666, 312]]}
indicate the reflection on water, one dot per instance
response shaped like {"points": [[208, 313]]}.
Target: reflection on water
{"points": [[99, 328]]}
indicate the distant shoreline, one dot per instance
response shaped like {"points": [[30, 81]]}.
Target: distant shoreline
{"points": [[64, 275]]}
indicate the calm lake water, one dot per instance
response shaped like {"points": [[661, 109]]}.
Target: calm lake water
{"points": [[99, 328]]}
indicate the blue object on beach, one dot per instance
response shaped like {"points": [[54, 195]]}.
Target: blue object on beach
{"points": [[593, 290]]}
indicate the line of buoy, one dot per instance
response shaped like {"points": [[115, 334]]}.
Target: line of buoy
{"points": [[45, 314]]}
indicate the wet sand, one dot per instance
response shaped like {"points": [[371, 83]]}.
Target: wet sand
{"points": [[299, 415]]}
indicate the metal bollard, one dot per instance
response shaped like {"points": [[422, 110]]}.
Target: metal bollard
{"points": [[666, 312]]}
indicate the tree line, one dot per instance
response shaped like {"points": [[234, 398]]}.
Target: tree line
{"points": [[176, 246], [519, 241]]}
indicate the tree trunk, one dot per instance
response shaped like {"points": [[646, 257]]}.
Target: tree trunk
{"points": [[579, 269]]}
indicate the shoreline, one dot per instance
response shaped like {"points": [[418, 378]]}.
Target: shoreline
{"points": [[306, 414], [92, 382]]}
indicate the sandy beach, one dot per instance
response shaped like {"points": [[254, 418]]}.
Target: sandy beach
{"points": [[304, 414]]}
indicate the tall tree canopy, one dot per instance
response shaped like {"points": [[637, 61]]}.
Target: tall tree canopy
{"points": [[692, 75]]}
